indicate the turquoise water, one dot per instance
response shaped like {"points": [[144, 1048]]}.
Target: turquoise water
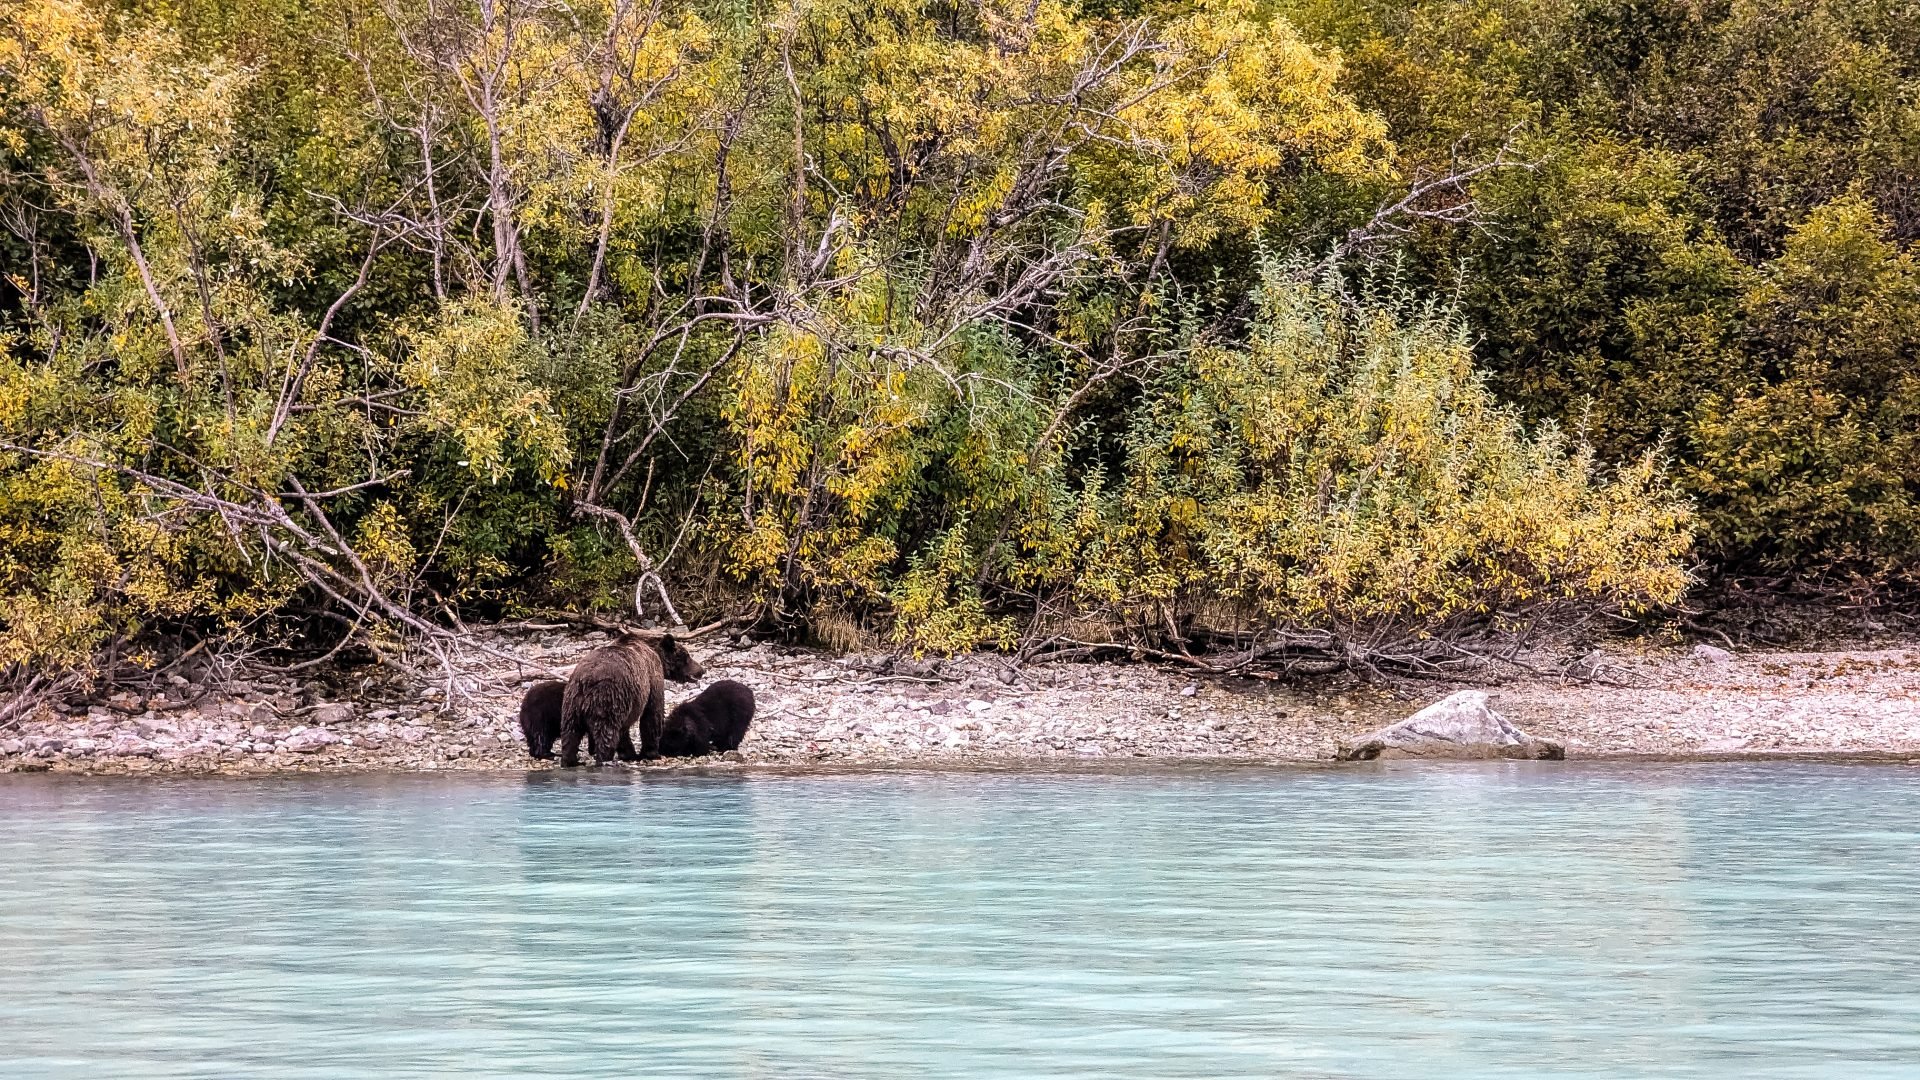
{"points": [[1504, 920]]}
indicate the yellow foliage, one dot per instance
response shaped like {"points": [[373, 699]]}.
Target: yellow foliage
{"points": [[825, 434], [469, 368], [1353, 470], [1238, 104]]}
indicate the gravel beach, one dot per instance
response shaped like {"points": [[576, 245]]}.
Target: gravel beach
{"points": [[814, 709]]}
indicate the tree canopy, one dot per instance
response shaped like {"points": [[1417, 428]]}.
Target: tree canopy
{"points": [[946, 324]]}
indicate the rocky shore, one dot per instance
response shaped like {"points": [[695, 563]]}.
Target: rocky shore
{"points": [[876, 710]]}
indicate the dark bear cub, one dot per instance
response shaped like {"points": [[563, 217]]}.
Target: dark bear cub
{"points": [[613, 688], [540, 717], [711, 723]]}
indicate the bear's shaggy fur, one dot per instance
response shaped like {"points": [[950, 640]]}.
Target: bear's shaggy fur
{"points": [[711, 723], [612, 688], [540, 717]]}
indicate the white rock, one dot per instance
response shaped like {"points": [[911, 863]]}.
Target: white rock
{"points": [[307, 740], [332, 713], [1460, 726]]}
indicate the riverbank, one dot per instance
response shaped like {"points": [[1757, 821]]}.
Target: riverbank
{"points": [[819, 710]]}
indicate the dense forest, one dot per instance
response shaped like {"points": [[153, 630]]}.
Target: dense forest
{"points": [[1335, 331]]}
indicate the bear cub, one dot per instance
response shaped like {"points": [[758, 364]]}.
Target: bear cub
{"points": [[712, 723], [615, 687], [540, 717]]}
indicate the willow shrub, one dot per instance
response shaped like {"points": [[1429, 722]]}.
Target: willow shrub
{"points": [[869, 470], [1348, 469]]}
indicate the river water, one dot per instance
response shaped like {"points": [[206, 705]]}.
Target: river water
{"points": [[1500, 920]]}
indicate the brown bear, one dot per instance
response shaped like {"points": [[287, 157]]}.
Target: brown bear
{"points": [[540, 721], [712, 723], [540, 717], [615, 686]]}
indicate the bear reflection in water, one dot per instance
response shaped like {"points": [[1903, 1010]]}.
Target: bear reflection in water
{"points": [[630, 689]]}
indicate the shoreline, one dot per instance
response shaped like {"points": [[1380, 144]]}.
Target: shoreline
{"points": [[874, 712], [672, 769]]}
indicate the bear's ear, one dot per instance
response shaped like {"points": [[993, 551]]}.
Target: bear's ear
{"points": [[666, 641]]}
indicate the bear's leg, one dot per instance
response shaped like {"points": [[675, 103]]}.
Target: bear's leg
{"points": [[625, 750], [652, 717], [700, 740], [604, 742], [540, 742], [569, 745]]}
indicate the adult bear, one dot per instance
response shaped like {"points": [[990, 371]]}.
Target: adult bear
{"points": [[615, 686], [711, 723], [540, 717]]}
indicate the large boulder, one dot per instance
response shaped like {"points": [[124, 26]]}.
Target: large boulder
{"points": [[1461, 726]]}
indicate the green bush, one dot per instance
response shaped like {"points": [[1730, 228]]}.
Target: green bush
{"points": [[1349, 468]]}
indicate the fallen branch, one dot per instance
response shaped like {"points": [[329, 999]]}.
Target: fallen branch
{"points": [[1321, 653], [316, 550], [648, 574]]}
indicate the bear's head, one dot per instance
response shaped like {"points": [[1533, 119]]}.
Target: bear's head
{"points": [[676, 662]]}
